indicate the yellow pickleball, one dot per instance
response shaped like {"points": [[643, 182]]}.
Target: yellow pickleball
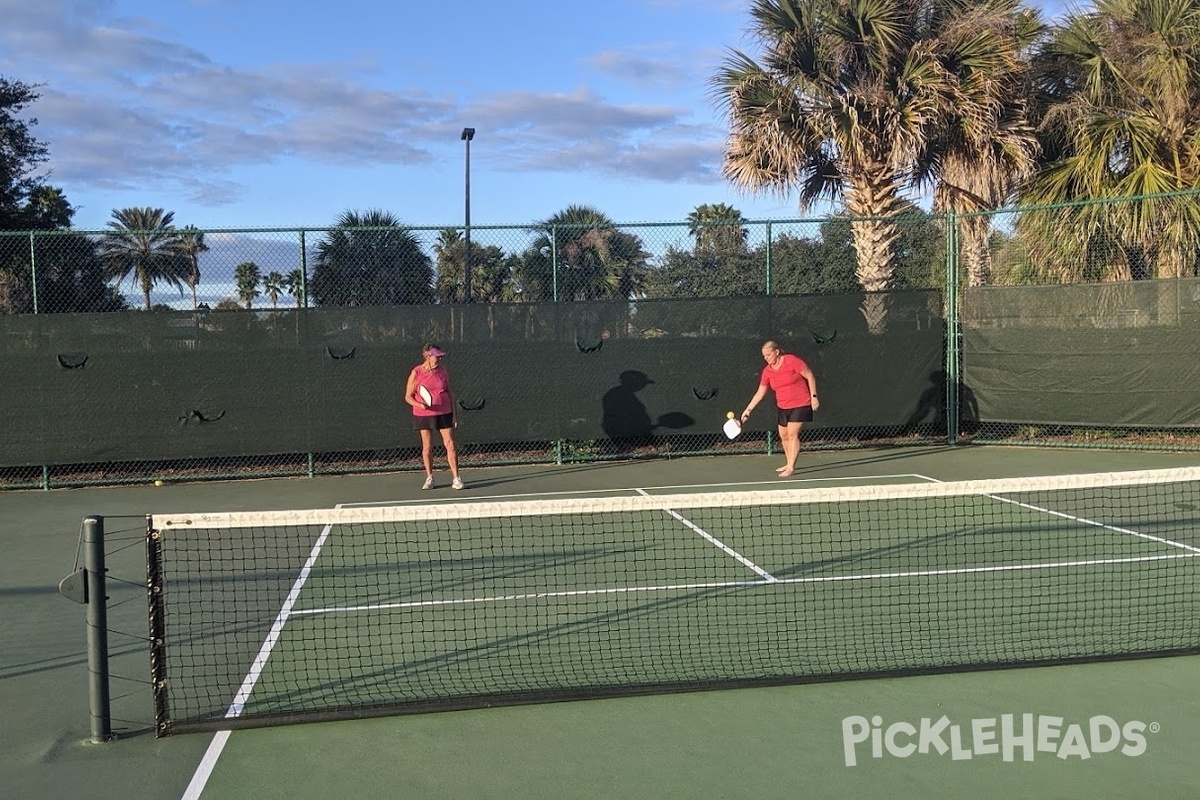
{"points": [[729, 415]]}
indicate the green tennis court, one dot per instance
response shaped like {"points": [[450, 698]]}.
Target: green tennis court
{"points": [[356, 611], [370, 609]]}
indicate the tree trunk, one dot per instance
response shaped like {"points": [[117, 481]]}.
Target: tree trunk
{"points": [[874, 242], [976, 255]]}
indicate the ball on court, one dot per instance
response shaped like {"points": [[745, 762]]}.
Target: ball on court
{"points": [[729, 415], [158, 482]]}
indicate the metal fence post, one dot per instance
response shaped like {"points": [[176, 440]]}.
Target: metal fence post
{"points": [[953, 345], [768, 258], [33, 271]]}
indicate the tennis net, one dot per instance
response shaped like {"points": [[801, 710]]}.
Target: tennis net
{"points": [[258, 618]]}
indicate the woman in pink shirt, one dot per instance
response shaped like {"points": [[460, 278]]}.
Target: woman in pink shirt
{"points": [[433, 410], [795, 396]]}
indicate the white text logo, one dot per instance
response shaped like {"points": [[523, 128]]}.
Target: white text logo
{"points": [[1026, 734]]}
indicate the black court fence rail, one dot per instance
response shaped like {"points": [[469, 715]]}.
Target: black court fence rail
{"points": [[185, 354]]}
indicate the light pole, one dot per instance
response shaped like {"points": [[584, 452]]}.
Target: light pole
{"points": [[467, 135]]}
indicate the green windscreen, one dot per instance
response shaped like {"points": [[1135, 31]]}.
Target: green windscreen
{"points": [[1121, 354], [162, 385]]}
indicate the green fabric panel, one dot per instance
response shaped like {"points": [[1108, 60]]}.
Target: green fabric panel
{"points": [[137, 386], [1146, 377], [24, 409], [506, 392], [354, 397], [155, 405], [1119, 354], [580, 385]]}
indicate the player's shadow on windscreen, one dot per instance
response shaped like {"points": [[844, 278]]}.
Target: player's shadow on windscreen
{"points": [[929, 417], [625, 420]]}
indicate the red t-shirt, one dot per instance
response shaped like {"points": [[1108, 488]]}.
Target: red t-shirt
{"points": [[438, 384], [789, 385]]}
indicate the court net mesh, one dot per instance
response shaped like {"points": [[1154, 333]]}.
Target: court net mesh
{"points": [[266, 617]]}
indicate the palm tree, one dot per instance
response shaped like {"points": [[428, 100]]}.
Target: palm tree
{"points": [[247, 277], [294, 284], [371, 260], [719, 265], [492, 277], [48, 209], [579, 254], [450, 249], [985, 143], [1120, 118], [717, 228], [192, 240], [273, 287], [142, 242], [843, 105], [491, 270]]}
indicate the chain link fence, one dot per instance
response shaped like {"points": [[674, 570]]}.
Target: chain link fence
{"points": [[185, 354], [1079, 324]]}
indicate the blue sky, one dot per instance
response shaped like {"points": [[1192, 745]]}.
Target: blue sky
{"points": [[286, 114]]}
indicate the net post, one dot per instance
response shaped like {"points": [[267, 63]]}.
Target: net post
{"points": [[97, 629], [158, 656]]}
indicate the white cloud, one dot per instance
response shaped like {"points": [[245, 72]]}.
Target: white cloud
{"points": [[180, 106], [646, 67]]}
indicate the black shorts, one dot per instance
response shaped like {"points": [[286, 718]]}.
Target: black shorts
{"points": [[437, 423], [786, 415]]}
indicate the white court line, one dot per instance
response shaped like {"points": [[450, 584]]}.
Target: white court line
{"points": [[741, 559], [790, 484], [217, 745], [1085, 521], [203, 772], [775, 582], [208, 762], [1098, 524]]}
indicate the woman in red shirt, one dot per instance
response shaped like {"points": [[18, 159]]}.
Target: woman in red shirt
{"points": [[434, 411], [795, 396]]}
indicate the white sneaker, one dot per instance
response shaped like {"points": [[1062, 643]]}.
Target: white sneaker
{"points": [[458, 484], [428, 484]]}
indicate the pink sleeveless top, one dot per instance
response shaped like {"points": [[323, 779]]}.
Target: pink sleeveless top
{"points": [[437, 382]]}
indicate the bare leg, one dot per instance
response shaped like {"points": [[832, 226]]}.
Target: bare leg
{"points": [[451, 451], [783, 443], [427, 452], [789, 435]]}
